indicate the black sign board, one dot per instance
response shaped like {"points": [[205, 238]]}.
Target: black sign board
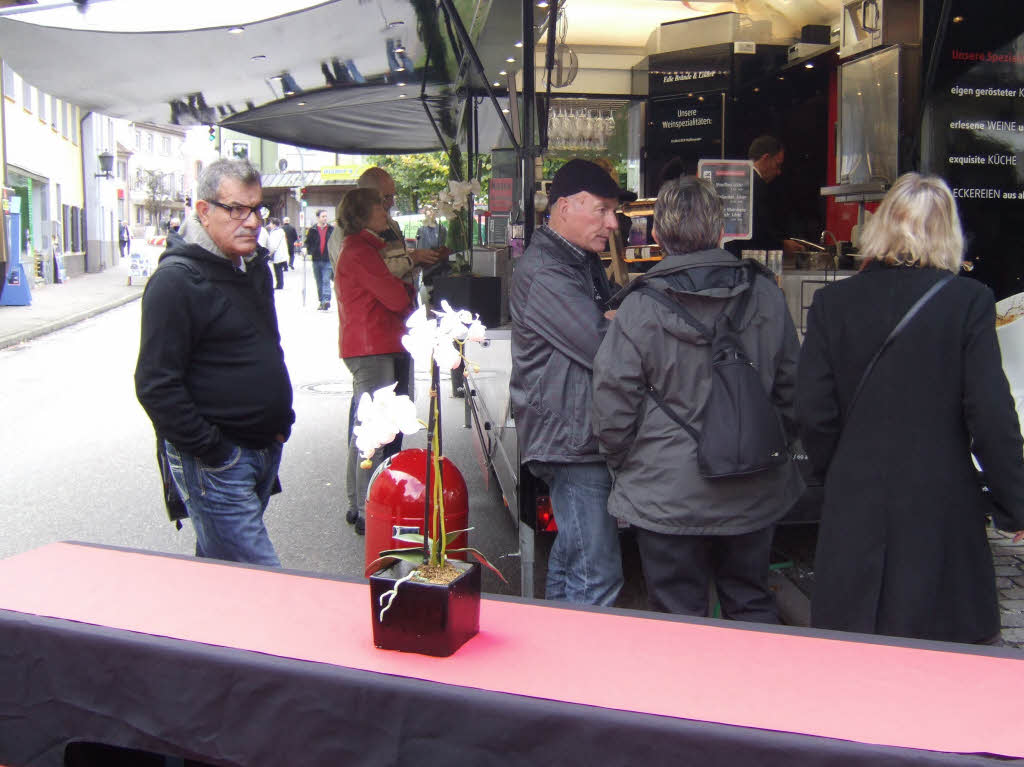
{"points": [[697, 70], [973, 137], [689, 129], [734, 182]]}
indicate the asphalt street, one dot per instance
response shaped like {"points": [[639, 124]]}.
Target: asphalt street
{"points": [[77, 459]]}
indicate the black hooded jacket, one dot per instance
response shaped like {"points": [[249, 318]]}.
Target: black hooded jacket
{"points": [[211, 371]]}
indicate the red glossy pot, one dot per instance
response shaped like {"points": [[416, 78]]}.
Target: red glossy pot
{"points": [[394, 503]]}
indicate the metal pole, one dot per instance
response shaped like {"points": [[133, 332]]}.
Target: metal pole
{"points": [[302, 216], [467, 43], [529, 148]]}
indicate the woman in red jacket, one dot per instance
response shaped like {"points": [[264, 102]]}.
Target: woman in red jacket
{"points": [[372, 308]]}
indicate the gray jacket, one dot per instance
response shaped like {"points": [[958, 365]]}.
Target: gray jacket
{"points": [[657, 485], [557, 327]]}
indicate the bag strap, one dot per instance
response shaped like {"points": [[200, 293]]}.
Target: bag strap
{"points": [[673, 305], [661, 297], [667, 299], [911, 313], [672, 414]]}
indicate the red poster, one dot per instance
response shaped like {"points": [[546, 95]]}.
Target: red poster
{"points": [[500, 195]]}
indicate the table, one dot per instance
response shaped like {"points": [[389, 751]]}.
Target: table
{"points": [[238, 665]]}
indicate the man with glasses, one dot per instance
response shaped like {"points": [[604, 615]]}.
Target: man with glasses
{"points": [[211, 373]]}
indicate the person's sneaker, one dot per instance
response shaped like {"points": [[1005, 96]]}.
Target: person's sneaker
{"points": [[351, 516], [360, 526], [320, 308]]}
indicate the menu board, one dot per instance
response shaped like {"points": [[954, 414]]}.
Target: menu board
{"points": [[734, 182], [973, 137], [687, 128]]}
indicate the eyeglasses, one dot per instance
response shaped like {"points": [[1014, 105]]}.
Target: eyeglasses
{"points": [[241, 212]]}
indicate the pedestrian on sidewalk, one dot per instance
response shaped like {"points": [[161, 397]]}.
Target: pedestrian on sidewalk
{"points": [[278, 247], [124, 237], [316, 246], [211, 373], [292, 237]]}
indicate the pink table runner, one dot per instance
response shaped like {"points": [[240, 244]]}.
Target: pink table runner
{"points": [[941, 701]]}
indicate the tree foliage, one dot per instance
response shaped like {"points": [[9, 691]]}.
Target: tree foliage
{"points": [[418, 177], [156, 193]]}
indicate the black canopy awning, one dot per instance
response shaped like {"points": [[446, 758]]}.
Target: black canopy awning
{"points": [[343, 75]]}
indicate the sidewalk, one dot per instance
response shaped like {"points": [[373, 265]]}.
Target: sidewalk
{"points": [[56, 306]]}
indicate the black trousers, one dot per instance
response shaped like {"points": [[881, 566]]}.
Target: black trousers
{"points": [[679, 570], [279, 275]]}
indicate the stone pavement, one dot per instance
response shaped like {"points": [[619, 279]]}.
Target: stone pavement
{"points": [[56, 306], [1009, 560]]}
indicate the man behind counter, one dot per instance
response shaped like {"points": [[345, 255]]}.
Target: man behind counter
{"points": [[768, 155]]}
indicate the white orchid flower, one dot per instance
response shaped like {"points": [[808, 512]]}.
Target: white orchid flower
{"points": [[447, 356], [476, 331], [418, 317], [381, 416], [453, 323]]}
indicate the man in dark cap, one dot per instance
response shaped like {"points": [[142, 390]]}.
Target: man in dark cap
{"points": [[559, 317]]}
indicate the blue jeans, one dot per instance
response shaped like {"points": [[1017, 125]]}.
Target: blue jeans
{"points": [[585, 564], [322, 276], [226, 503]]}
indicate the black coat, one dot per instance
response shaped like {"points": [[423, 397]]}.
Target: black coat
{"points": [[211, 372], [291, 237], [902, 548], [769, 219]]}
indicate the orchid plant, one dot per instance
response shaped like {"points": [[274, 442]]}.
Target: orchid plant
{"points": [[452, 204], [432, 341]]}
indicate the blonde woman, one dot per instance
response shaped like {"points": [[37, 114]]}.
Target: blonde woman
{"points": [[902, 549]]}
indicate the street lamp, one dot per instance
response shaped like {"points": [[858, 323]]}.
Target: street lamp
{"points": [[106, 160]]}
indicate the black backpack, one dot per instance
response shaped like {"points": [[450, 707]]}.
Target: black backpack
{"points": [[742, 431]]}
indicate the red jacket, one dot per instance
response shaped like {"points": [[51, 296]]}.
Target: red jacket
{"points": [[372, 303]]}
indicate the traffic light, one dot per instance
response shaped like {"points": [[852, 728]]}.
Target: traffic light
{"points": [[213, 133]]}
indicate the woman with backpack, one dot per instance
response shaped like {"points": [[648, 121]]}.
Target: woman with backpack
{"points": [[698, 519], [899, 382]]}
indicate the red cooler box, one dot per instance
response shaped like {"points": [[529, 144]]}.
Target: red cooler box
{"points": [[395, 501]]}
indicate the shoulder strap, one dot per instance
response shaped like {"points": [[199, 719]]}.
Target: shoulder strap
{"points": [[673, 305], [668, 300], [911, 313]]}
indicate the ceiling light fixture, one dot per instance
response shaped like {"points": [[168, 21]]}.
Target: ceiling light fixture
{"points": [[519, 44], [235, 30], [511, 60], [258, 58]]}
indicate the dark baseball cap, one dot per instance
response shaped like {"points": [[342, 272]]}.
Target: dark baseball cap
{"points": [[582, 176]]}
